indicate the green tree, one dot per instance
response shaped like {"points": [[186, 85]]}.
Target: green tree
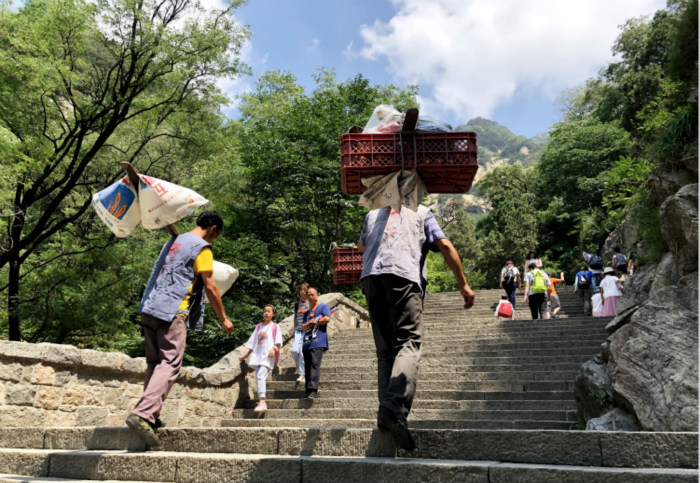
{"points": [[83, 85], [279, 186], [510, 230]]}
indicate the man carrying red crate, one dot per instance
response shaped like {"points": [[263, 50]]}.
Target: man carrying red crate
{"points": [[395, 245]]}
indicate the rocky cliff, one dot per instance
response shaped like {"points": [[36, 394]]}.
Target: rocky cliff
{"points": [[646, 376]]}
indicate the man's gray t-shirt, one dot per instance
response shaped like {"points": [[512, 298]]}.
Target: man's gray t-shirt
{"points": [[397, 243]]}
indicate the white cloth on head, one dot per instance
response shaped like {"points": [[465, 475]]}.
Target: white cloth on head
{"points": [[394, 189]]}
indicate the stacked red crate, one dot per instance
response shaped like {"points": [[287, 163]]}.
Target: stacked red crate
{"points": [[445, 161], [347, 266]]}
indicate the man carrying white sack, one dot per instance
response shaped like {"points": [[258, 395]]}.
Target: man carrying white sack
{"points": [[172, 303]]}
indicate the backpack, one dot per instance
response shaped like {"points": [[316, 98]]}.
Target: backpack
{"points": [[595, 262], [278, 350], [509, 277], [619, 259], [539, 284], [505, 310], [584, 281]]}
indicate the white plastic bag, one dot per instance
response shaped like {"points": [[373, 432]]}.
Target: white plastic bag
{"points": [[164, 203], [384, 119], [224, 277], [118, 206]]}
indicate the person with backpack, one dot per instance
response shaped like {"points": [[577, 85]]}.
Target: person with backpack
{"points": [[265, 343], [619, 261], [315, 340], [595, 262], [510, 280], [585, 286], [537, 285], [504, 309]]}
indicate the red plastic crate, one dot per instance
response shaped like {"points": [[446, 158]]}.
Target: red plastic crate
{"points": [[347, 266], [445, 161]]}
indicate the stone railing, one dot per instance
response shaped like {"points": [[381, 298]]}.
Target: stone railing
{"points": [[63, 386]]}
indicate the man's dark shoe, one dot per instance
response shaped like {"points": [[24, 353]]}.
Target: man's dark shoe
{"points": [[382, 420], [398, 427], [143, 429], [312, 395]]}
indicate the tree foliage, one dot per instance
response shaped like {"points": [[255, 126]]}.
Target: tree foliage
{"points": [[84, 85]]}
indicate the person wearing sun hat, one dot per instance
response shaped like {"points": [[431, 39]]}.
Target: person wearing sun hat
{"points": [[510, 280], [610, 292]]}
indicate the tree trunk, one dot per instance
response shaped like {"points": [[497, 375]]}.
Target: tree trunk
{"points": [[12, 300], [14, 266]]}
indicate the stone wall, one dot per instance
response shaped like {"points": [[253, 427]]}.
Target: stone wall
{"points": [[55, 385]]}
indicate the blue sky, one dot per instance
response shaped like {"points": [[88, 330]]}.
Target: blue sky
{"points": [[506, 60]]}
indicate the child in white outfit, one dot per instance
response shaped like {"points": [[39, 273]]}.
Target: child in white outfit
{"points": [[263, 343]]}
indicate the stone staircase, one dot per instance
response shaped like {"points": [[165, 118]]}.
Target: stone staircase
{"points": [[494, 404]]}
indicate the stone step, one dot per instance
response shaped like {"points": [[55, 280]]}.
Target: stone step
{"points": [[514, 326], [466, 364], [466, 347], [416, 414], [672, 450], [434, 424], [47, 479], [472, 405], [446, 378], [338, 367], [467, 341], [465, 385], [229, 468], [445, 395], [589, 351], [361, 336]]}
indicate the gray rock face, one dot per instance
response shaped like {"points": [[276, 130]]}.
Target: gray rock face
{"points": [[624, 236], [592, 389], [666, 182], [678, 217], [616, 420], [653, 364], [651, 356]]}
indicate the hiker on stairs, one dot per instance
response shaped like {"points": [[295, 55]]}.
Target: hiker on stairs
{"points": [[264, 343], [172, 303], [394, 245], [537, 286], [510, 280], [300, 309], [315, 324]]}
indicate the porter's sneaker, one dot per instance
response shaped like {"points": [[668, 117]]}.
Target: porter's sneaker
{"points": [[260, 407], [301, 379], [144, 429]]}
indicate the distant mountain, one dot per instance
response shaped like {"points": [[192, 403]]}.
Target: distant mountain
{"points": [[497, 146], [496, 142]]}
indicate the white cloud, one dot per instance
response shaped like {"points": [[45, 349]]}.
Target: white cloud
{"points": [[470, 56]]}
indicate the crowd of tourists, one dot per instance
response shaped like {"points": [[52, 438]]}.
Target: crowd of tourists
{"points": [[600, 287]]}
